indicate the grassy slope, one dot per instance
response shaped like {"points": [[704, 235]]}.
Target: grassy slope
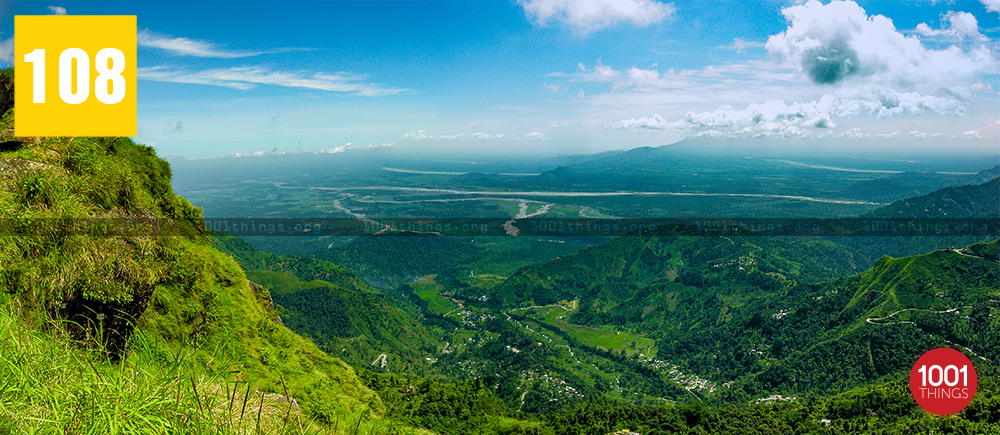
{"points": [[341, 313], [200, 305]]}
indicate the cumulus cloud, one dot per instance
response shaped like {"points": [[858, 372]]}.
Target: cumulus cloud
{"points": [[535, 135], [992, 5], [485, 136], [862, 64], [776, 118], [639, 78], [57, 10], [245, 78], [422, 135], [351, 146], [586, 16], [959, 25], [972, 134], [655, 122], [837, 42]]}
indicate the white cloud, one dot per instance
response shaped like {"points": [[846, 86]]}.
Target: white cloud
{"points": [[972, 134], [639, 78], [960, 25], [655, 122], [332, 150], [862, 65], [561, 124], [422, 135], [780, 119], [7, 50], [193, 47], [739, 44], [351, 146], [556, 89], [992, 5], [600, 74], [417, 135], [838, 43], [485, 136], [535, 135], [586, 16], [57, 10], [245, 78]]}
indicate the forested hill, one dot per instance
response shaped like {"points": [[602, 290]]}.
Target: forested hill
{"points": [[630, 265], [339, 312], [968, 201]]}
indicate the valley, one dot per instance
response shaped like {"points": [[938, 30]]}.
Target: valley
{"points": [[556, 323]]}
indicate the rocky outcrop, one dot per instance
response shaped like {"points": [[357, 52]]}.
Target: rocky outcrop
{"points": [[12, 168], [264, 297]]}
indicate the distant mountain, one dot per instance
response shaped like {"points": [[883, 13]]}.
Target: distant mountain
{"points": [[910, 184], [968, 201]]}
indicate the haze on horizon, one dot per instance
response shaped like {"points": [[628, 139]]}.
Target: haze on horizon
{"points": [[550, 77]]}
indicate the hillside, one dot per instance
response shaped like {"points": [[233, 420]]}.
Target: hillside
{"points": [[158, 323], [779, 316], [624, 267], [736, 315], [339, 312], [967, 201]]}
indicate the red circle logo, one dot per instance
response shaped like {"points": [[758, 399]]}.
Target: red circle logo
{"points": [[943, 381]]}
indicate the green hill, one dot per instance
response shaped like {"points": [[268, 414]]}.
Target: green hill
{"points": [[967, 201], [341, 313], [740, 311], [628, 266], [151, 329]]}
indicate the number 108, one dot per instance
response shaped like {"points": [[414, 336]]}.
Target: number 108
{"points": [[109, 86]]}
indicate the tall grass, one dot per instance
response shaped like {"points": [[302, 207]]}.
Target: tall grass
{"points": [[52, 384]]}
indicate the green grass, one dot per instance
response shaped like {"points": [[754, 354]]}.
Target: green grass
{"points": [[205, 342], [486, 280], [604, 338], [428, 290], [53, 384]]}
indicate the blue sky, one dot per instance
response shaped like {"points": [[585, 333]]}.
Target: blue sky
{"points": [[555, 76]]}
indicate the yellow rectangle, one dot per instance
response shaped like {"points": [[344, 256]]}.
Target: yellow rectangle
{"points": [[55, 117]]}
